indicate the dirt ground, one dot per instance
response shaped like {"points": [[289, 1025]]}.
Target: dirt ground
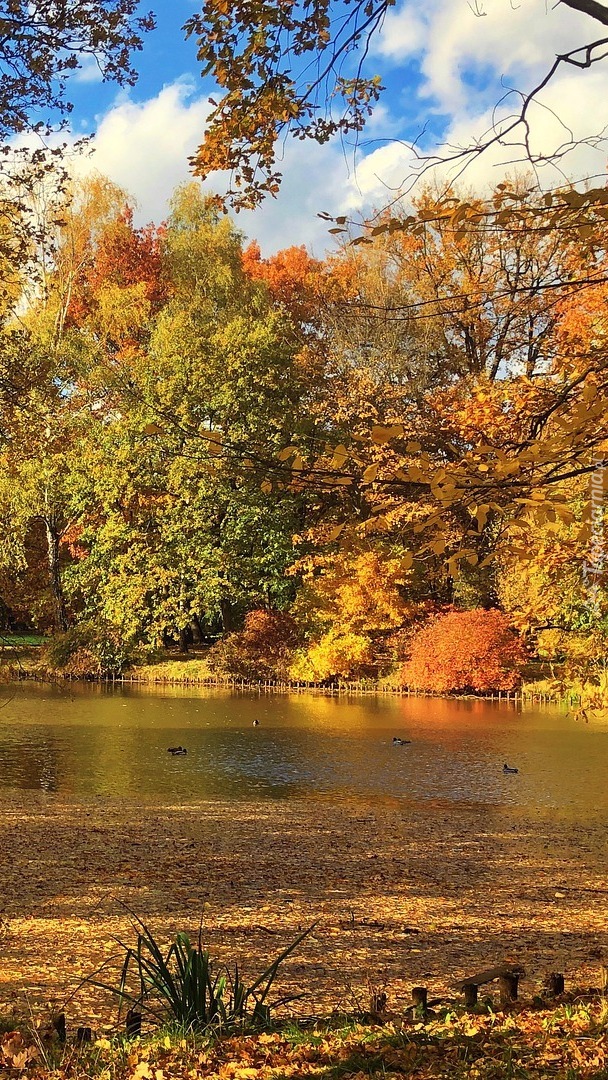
{"points": [[404, 895]]}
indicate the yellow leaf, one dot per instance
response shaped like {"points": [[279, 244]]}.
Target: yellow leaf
{"points": [[340, 457], [287, 452], [335, 532], [152, 429], [142, 1072], [382, 433], [266, 487], [215, 441], [370, 474]]}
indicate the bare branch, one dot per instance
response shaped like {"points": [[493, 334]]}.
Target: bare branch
{"points": [[589, 7]]}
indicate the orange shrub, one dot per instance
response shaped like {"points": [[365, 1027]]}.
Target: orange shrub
{"points": [[261, 650], [465, 650]]}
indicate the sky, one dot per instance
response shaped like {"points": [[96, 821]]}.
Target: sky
{"points": [[445, 65]]}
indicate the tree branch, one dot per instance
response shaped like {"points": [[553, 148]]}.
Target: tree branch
{"points": [[589, 7]]}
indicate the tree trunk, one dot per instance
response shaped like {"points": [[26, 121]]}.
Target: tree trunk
{"points": [[227, 615], [60, 617]]}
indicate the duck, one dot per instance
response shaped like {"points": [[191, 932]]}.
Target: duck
{"points": [[256, 723], [401, 742], [176, 750], [506, 769]]}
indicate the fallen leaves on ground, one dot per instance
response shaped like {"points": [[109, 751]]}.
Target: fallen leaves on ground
{"points": [[406, 895], [565, 1041]]}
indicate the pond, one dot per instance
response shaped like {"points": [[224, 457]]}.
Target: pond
{"points": [[83, 741]]}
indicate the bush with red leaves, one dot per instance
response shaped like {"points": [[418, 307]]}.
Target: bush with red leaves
{"points": [[465, 651]]}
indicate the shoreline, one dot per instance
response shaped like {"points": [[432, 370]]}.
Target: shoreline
{"points": [[354, 689]]}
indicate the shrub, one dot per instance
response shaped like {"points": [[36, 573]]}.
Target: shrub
{"points": [[338, 654], [465, 650], [261, 650], [88, 649]]}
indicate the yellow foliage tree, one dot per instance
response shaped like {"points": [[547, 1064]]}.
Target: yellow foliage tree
{"points": [[348, 601]]}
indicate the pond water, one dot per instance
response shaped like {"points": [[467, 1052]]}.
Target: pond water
{"points": [[87, 741]]}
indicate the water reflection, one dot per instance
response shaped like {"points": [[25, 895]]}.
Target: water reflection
{"points": [[82, 740]]}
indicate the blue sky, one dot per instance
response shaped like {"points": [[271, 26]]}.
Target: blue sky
{"points": [[444, 68]]}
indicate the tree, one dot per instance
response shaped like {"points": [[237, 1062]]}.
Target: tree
{"points": [[509, 406], [304, 72], [40, 504], [174, 535], [43, 44]]}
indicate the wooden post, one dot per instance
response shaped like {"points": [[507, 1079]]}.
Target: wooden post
{"points": [[419, 997], [59, 1025], [470, 995], [84, 1035], [508, 988], [555, 984], [603, 978], [133, 1023], [377, 1002]]}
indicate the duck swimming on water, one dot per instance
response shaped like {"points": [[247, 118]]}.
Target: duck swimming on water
{"points": [[176, 750], [401, 742], [506, 769]]}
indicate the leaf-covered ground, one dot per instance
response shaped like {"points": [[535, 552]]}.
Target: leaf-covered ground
{"points": [[403, 896], [567, 1042]]}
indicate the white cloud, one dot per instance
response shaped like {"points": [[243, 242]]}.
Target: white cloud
{"points": [[88, 72], [405, 33], [464, 48], [144, 146], [467, 62]]}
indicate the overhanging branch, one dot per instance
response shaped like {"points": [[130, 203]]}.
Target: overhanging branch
{"points": [[589, 7]]}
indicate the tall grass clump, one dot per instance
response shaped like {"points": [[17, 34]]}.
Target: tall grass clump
{"points": [[182, 985]]}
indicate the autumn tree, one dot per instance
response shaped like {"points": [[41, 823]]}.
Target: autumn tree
{"points": [[42, 46], [53, 399], [507, 410], [179, 537]]}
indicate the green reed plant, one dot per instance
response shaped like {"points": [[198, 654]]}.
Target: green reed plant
{"points": [[183, 985]]}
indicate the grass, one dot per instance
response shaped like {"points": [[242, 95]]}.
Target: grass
{"points": [[194, 669], [14, 641], [182, 984], [564, 1041]]}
